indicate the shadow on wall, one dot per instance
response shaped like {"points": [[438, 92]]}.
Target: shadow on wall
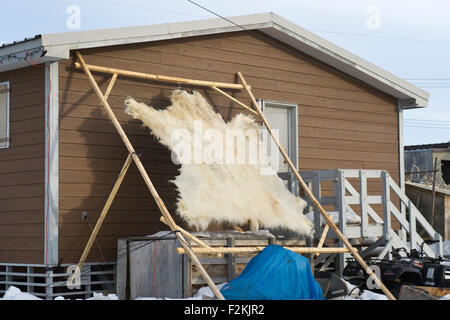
{"points": [[97, 158], [95, 163]]}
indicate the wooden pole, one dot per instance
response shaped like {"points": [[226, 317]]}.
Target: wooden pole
{"points": [[159, 202], [187, 234], [191, 237], [161, 78], [104, 212], [311, 196], [110, 86], [323, 237], [256, 249], [235, 100]]}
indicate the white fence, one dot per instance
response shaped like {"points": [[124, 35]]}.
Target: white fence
{"points": [[50, 283], [372, 224]]}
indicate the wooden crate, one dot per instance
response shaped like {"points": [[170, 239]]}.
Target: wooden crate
{"points": [[151, 267]]}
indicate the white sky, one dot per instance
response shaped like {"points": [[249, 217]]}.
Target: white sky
{"points": [[412, 41]]}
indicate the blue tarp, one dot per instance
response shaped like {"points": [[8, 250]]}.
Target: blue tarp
{"points": [[275, 273]]}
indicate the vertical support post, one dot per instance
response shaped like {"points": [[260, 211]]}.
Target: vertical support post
{"points": [[386, 199], [8, 276], [317, 193], [159, 202], [401, 160], [363, 203], [30, 279], [440, 248], [310, 195], [87, 280], [340, 201], [48, 284], [412, 226], [230, 260]]}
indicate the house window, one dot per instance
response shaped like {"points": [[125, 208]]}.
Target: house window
{"points": [[4, 114], [283, 117]]}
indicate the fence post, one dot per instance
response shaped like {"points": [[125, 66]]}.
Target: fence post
{"points": [[386, 199], [30, 279], [340, 202], [317, 193], [231, 263], [8, 277], [363, 202], [412, 226], [48, 282]]}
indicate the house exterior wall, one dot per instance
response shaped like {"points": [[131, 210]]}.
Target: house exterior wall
{"points": [[342, 124], [22, 169]]}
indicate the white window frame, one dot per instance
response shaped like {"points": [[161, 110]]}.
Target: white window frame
{"points": [[293, 126], [7, 114]]}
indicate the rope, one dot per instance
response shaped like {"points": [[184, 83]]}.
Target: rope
{"points": [[96, 240]]}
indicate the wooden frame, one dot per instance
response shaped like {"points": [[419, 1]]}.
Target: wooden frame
{"points": [[164, 211], [186, 249]]}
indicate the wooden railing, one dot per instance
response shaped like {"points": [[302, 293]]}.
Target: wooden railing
{"points": [[407, 218]]}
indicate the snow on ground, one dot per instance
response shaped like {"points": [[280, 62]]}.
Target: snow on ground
{"points": [[14, 293], [204, 291], [445, 245], [364, 295]]}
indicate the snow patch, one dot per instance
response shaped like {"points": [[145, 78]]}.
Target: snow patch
{"points": [[14, 293], [364, 295]]}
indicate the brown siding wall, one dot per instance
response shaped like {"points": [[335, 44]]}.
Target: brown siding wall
{"points": [[342, 124], [22, 169]]}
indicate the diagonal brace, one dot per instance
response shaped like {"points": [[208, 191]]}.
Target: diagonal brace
{"points": [[311, 196], [159, 202], [104, 212]]}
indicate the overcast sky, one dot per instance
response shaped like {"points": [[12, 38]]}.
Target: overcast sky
{"points": [[409, 38]]}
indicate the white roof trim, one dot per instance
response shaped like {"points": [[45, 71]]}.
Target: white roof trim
{"points": [[58, 46]]}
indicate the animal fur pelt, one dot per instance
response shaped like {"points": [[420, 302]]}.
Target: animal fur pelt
{"points": [[217, 191]]}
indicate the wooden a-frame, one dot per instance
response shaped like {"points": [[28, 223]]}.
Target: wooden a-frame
{"points": [[166, 217]]}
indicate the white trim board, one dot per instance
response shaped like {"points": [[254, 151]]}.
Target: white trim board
{"points": [[51, 164]]}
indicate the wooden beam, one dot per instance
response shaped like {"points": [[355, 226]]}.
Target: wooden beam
{"points": [[161, 78], [104, 212], [235, 100], [323, 237], [159, 202], [313, 199], [256, 249], [110, 86], [187, 234]]}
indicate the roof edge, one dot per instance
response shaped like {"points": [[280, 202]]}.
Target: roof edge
{"points": [[348, 62], [59, 45]]}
